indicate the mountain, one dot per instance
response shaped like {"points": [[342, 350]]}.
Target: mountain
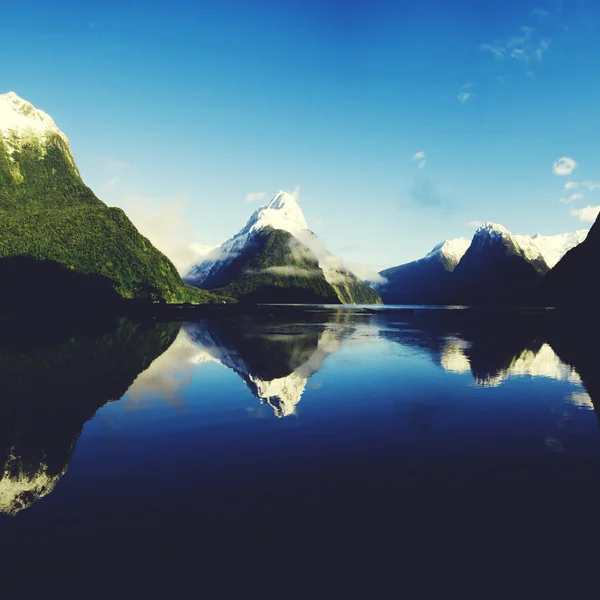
{"points": [[53, 228], [498, 268], [554, 247], [572, 282], [53, 381], [273, 266], [495, 267], [274, 359], [276, 258], [424, 281]]}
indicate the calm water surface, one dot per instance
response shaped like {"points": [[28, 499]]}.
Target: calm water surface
{"points": [[301, 444]]}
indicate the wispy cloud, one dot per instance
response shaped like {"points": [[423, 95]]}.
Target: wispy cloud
{"points": [[590, 185], [463, 97], [291, 271], [475, 224], [587, 214], [564, 166], [539, 13], [368, 273], [421, 158], [112, 183], [466, 86], [542, 47], [572, 197], [496, 50], [164, 222], [520, 39], [573, 185], [112, 162], [255, 196], [524, 47]]}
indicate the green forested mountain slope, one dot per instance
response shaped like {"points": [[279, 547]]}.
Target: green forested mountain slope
{"points": [[48, 214]]}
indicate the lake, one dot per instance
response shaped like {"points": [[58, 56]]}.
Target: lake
{"points": [[298, 445]]}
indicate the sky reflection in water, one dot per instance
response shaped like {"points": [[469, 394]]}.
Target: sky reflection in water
{"points": [[216, 420]]}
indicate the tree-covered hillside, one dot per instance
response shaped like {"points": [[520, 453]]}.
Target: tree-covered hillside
{"points": [[50, 220], [275, 268], [94, 241]]}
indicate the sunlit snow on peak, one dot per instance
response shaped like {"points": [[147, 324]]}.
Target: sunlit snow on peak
{"points": [[542, 362], [453, 356]]}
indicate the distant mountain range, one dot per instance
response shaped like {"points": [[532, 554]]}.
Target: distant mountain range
{"points": [[496, 267], [61, 245], [58, 242], [276, 258]]}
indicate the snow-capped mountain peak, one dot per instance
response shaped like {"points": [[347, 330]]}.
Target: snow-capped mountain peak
{"points": [[491, 230], [549, 249], [21, 123], [282, 212], [19, 117], [451, 250], [554, 247]]}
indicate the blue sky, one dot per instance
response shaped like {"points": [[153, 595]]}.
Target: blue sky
{"points": [[177, 111]]}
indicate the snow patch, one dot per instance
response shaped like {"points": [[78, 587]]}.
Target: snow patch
{"points": [[19, 489], [549, 249], [452, 250]]}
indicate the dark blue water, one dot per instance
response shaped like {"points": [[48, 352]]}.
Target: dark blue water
{"points": [[360, 443]]}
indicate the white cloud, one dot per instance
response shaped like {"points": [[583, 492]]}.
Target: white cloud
{"points": [[368, 273], [590, 185], [496, 50], [572, 197], [522, 47], [421, 157], [164, 222], [463, 97], [540, 13], [564, 166], [475, 224], [292, 271], [466, 86], [255, 196], [539, 51], [522, 39], [588, 214]]}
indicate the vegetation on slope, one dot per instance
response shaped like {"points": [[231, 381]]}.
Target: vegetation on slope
{"points": [[351, 290], [274, 268], [48, 214], [42, 177]]}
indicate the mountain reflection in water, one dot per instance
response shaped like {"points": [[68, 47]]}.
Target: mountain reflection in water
{"points": [[51, 387], [401, 422]]}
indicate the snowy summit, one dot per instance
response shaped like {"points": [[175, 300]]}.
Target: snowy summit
{"points": [[21, 122], [21, 119], [282, 212], [451, 250]]}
